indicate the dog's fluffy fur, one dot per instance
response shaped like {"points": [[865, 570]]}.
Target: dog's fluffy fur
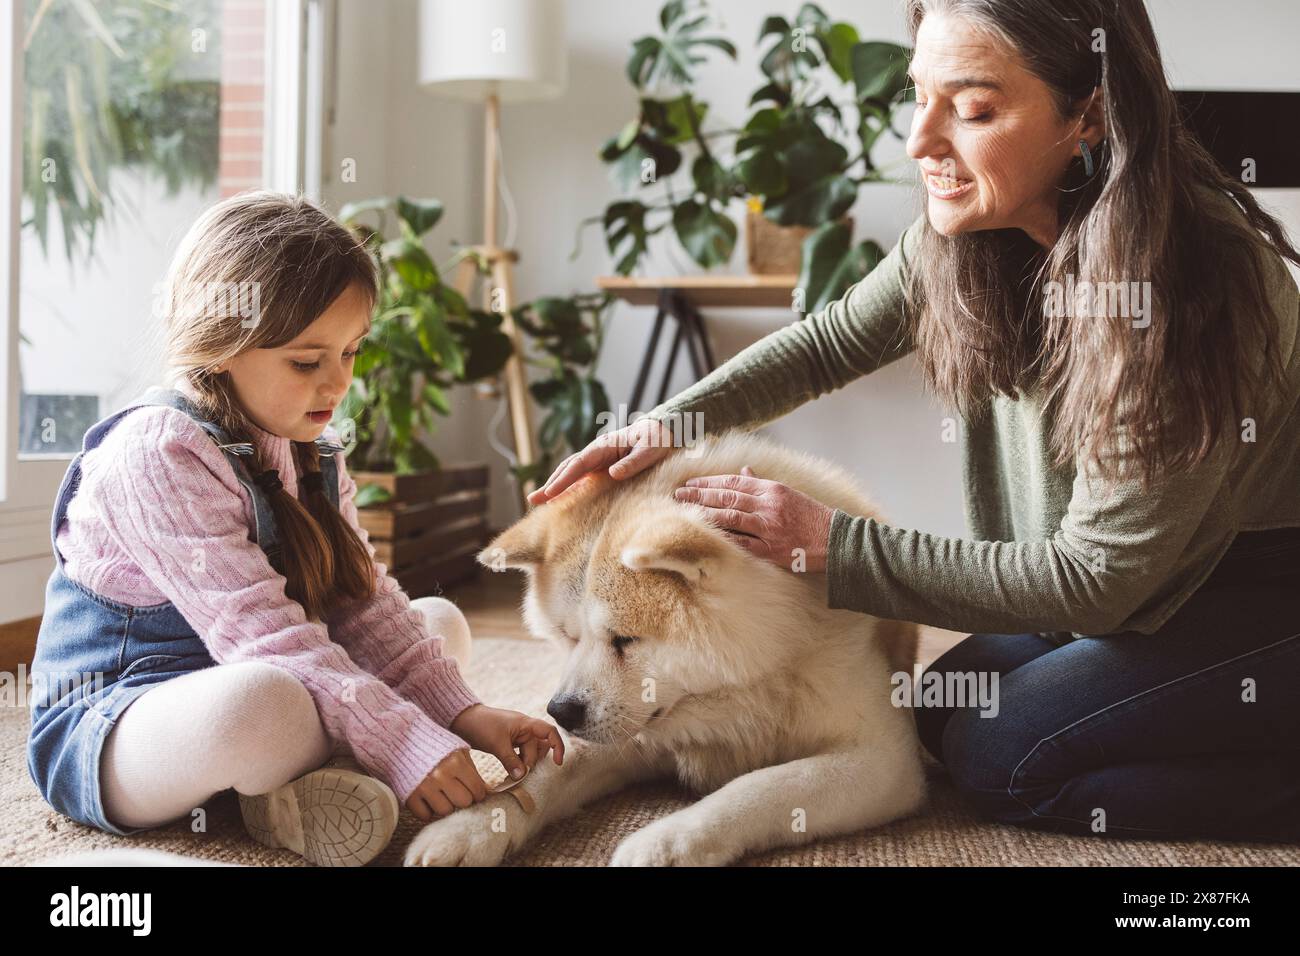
{"points": [[737, 679]]}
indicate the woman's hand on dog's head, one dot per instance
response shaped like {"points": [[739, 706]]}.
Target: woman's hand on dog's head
{"points": [[625, 452]]}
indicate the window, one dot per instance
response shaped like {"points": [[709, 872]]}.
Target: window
{"points": [[121, 123], [137, 115]]}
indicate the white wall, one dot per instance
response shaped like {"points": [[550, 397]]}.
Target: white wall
{"points": [[883, 427]]}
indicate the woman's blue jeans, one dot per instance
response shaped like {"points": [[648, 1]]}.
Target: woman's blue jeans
{"points": [[1193, 731]]}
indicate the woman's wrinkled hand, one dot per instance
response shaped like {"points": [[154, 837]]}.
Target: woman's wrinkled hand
{"points": [[768, 519]]}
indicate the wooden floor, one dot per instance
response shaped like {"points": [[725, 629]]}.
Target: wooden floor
{"points": [[492, 602]]}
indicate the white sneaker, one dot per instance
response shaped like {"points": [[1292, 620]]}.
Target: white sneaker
{"points": [[333, 816]]}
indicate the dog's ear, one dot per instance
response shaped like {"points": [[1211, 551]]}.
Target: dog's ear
{"points": [[676, 544], [522, 545]]}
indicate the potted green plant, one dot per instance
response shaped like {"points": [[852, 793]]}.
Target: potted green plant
{"points": [[569, 333], [797, 182], [788, 162], [425, 519]]}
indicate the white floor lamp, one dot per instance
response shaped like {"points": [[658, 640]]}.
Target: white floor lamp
{"points": [[494, 52]]}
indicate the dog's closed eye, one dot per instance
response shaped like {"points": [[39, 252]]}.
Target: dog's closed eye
{"points": [[620, 641]]}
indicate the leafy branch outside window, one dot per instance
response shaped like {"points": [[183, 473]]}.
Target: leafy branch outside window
{"points": [[110, 87]]}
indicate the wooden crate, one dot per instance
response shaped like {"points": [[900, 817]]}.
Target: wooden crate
{"points": [[428, 533]]}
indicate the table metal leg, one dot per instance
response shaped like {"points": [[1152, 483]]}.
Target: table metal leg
{"points": [[690, 326], [672, 361], [696, 340], [648, 359], [701, 336]]}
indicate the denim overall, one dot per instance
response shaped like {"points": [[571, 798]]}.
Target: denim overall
{"points": [[95, 656]]}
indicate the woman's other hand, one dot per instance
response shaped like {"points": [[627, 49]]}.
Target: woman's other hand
{"points": [[767, 518]]}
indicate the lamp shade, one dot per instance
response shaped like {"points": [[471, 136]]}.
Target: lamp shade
{"points": [[514, 48]]}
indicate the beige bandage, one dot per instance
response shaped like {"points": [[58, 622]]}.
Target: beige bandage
{"points": [[510, 786]]}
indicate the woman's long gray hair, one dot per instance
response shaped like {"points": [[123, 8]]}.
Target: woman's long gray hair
{"points": [[1148, 400]]}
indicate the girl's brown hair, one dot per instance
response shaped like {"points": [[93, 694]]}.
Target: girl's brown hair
{"points": [[1159, 398], [298, 260]]}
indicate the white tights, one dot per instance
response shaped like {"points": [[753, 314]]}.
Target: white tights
{"points": [[249, 725]]}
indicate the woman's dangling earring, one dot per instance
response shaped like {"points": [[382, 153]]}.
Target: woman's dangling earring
{"points": [[1087, 157]]}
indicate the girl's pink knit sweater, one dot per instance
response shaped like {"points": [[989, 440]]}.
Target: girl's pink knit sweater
{"points": [[159, 516]]}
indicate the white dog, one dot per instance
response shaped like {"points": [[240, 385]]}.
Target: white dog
{"points": [[689, 657]]}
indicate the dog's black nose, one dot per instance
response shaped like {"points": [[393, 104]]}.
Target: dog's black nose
{"points": [[569, 712]]}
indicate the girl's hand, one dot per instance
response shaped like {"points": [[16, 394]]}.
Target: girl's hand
{"points": [[454, 783], [499, 732], [625, 452], [776, 518]]}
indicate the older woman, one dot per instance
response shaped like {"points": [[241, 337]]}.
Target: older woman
{"points": [[1132, 458]]}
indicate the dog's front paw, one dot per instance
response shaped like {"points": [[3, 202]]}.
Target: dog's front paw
{"points": [[672, 842], [472, 836]]}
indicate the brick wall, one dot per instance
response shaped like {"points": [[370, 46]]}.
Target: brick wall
{"points": [[243, 72]]}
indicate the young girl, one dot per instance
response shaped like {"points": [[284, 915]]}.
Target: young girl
{"points": [[216, 618]]}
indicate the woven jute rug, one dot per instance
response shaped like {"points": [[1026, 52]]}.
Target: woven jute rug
{"points": [[520, 674]]}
